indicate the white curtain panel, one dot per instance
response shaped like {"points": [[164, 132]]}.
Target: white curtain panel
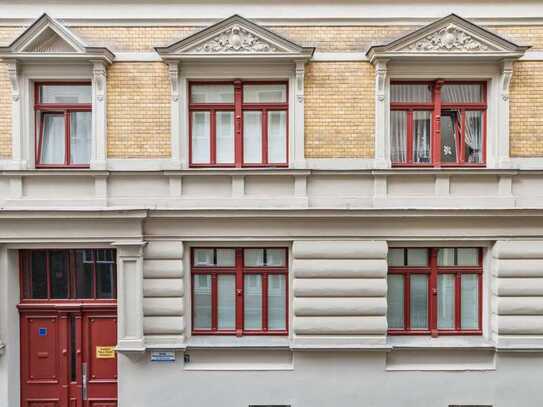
{"points": [[200, 137], [410, 93], [80, 137], [53, 143], [398, 135]]}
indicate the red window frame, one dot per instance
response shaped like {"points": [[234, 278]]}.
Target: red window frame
{"points": [[40, 109], [238, 107], [25, 261], [436, 107], [239, 270], [432, 270]]}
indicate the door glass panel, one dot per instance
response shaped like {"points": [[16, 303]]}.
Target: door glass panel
{"points": [[277, 291], [395, 300], [422, 133], [53, 145], [450, 127], [202, 301], [212, 93], [252, 137], [417, 257], [445, 301], [66, 94], [277, 137], [273, 93], [83, 260], [80, 137], [226, 314], [470, 301], [396, 257], [419, 301], [201, 137], [59, 274], [36, 284], [225, 137], [252, 301], [105, 280]]}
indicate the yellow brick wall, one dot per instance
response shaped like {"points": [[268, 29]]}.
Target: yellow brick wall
{"points": [[526, 110], [339, 110], [138, 110], [5, 114]]}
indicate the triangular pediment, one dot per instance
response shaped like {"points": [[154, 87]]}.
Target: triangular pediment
{"points": [[234, 36], [449, 36], [47, 38]]}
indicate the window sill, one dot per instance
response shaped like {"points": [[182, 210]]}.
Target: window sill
{"points": [[443, 342], [233, 342]]}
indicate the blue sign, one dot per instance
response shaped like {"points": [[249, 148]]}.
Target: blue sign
{"points": [[163, 356], [42, 331]]}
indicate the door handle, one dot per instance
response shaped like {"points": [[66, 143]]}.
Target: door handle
{"points": [[84, 379]]}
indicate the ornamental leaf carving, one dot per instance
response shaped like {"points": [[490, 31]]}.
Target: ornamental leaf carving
{"points": [[449, 38], [235, 39]]}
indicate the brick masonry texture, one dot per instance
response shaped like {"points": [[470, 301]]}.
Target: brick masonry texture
{"points": [[138, 110], [5, 114], [526, 115], [339, 110]]}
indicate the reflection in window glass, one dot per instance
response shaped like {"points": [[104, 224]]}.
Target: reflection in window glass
{"points": [[37, 276], [395, 300], [470, 302], [252, 137], [80, 137], [277, 301], [203, 257], [226, 313], [202, 301], [273, 93], [252, 301], [212, 93], [254, 257], [83, 273], [445, 301], [226, 257], [417, 257], [275, 257], [201, 137], [468, 256], [225, 137], [445, 257], [396, 257], [59, 275], [105, 280], [66, 94], [419, 301], [277, 137]]}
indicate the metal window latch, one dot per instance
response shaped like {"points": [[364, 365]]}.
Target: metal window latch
{"points": [[84, 379], [239, 291]]}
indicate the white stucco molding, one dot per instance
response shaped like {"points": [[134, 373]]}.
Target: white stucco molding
{"points": [[253, 48], [432, 51], [130, 295], [46, 43]]}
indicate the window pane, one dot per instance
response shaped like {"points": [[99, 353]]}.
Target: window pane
{"points": [[83, 273], [252, 301], [36, 279], [80, 137], [53, 148], [398, 136], [462, 93], [417, 257], [277, 292], [473, 137], [105, 280], [59, 274], [470, 302], [395, 300], [468, 256], [202, 301], [422, 133], [276, 93], [396, 257], [277, 137], [200, 137], [226, 314], [275, 257], [445, 301], [212, 93], [66, 94], [254, 257], [226, 257], [203, 257], [450, 127], [445, 256], [410, 93], [419, 301], [225, 137], [252, 137]]}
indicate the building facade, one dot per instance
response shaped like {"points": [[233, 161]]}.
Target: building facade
{"points": [[271, 204]]}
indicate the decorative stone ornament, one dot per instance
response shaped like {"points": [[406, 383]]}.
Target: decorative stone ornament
{"points": [[235, 39], [450, 38]]}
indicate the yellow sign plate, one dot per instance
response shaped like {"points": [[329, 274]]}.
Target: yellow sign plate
{"points": [[105, 352]]}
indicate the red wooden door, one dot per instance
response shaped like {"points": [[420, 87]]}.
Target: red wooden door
{"points": [[67, 357]]}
